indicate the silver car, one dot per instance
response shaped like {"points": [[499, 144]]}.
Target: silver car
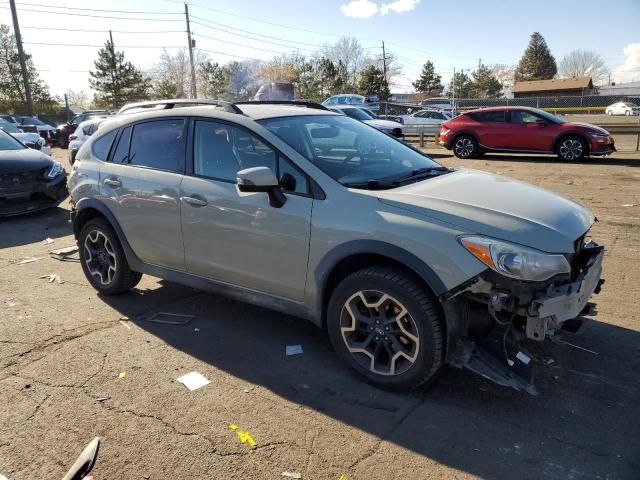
{"points": [[83, 132], [408, 265], [367, 116]]}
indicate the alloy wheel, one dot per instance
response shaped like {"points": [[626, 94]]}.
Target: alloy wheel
{"points": [[379, 332], [571, 149], [100, 257], [464, 147]]}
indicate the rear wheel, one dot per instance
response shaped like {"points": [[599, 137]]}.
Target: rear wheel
{"points": [[609, 112], [572, 148], [386, 327], [627, 113], [465, 146], [103, 260]]}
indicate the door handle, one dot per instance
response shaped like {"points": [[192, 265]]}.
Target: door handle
{"points": [[112, 182], [195, 201]]}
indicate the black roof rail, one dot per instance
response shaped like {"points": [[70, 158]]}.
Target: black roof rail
{"points": [[170, 104], [295, 103]]}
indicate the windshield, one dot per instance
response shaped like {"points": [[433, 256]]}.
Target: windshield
{"points": [[551, 118], [349, 151], [631, 105], [9, 127], [32, 121], [7, 142]]}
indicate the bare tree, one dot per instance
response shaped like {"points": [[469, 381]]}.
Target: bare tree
{"points": [[505, 75], [583, 63], [174, 71], [78, 98], [350, 52]]}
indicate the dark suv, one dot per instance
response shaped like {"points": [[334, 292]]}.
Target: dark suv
{"points": [[522, 130], [64, 131]]}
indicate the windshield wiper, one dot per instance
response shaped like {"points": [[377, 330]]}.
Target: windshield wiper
{"points": [[371, 184], [422, 173]]}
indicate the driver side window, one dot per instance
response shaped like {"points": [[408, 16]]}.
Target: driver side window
{"points": [[521, 116]]}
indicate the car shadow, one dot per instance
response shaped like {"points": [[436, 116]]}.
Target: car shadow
{"points": [[35, 227], [584, 424], [541, 159]]}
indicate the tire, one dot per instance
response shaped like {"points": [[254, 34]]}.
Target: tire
{"points": [[572, 148], [627, 113], [609, 112], [409, 349], [465, 146], [61, 141], [103, 260]]}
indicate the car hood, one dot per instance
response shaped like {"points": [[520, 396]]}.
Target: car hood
{"points": [[27, 137], [496, 206], [386, 124], [24, 160], [589, 126]]}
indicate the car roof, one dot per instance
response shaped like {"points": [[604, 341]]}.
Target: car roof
{"points": [[94, 120], [501, 109]]}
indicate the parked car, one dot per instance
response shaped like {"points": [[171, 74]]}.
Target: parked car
{"points": [[275, 91], [30, 139], [82, 133], [407, 264], [623, 108], [65, 130], [371, 102], [442, 104], [45, 130], [29, 179], [429, 119], [522, 130], [366, 116]]}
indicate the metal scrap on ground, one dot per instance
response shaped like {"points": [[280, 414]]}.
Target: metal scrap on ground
{"points": [[291, 475], [167, 318], [28, 260], [67, 253]]}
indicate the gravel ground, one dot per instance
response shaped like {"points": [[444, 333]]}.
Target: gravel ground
{"points": [[63, 351]]}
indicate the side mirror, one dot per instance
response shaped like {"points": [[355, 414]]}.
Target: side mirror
{"points": [[541, 122], [261, 179]]}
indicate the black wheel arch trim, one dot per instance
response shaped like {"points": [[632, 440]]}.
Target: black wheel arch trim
{"points": [[352, 248], [78, 219]]}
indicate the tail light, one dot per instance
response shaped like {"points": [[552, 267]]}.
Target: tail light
{"points": [[73, 136]]}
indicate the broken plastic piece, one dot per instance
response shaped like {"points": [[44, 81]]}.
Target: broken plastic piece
{"points": [[125, 324], [122, 375], [66, 253], [245, 437], [28, 260], [294, 350], [342, 477], [193, 381], [167, 318], [53, 277], [48, 241], [523, 357]]}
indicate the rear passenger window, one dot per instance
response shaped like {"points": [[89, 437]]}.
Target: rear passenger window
{"points": [[102, 145], [121, 153], [158, 144], [489, 116]]}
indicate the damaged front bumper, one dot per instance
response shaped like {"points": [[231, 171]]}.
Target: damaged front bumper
{"points": [[490, 319]]}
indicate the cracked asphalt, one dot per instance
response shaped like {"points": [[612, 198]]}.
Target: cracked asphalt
{"points": [[63, 348]]}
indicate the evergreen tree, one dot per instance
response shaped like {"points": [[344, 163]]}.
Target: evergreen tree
{"points": [[485, 84], [537, 63], [116, 81], [165, 89], [372, 82], [12, 95], [460, 85], [214, 81], [429, 81]]}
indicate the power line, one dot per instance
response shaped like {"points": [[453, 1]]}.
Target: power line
{"points": [[236, 44], [228, 54], [96, 46], [101, 31], [97, 16], [101, 9]]}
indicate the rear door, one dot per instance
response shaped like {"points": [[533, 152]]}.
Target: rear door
{"points": [[141, 184], [235, 237], [491, 129], [531, 132]]}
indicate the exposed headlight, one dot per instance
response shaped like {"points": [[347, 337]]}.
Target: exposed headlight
{"points": [[599, 136], [516, 261], [55, 170]]}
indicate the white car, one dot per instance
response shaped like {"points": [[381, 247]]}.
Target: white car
{"points": [[623, 108], [429, 119], [366, 116], [31, 140], [83, 132]]}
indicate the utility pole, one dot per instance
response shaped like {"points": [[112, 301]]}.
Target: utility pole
{"points": [[453, 92], [384, 62], [23, 64], [194, 91], [479, 63]]}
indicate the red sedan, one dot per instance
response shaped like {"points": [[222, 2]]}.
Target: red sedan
{"points": [[522, 130]]}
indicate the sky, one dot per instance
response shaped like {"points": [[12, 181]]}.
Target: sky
{"points": [[455, 34]]}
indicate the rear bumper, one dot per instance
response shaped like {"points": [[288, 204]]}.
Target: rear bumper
{"points": [[43, 195]]}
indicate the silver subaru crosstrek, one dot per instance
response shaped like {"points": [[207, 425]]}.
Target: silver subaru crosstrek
{"points": [[407, 264]]}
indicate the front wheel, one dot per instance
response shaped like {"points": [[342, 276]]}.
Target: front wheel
{"points": [[465, 146], [609, 112], [387, 328], [572, 148], [627, 113], [103, 260]]}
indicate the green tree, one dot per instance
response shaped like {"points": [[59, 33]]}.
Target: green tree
{"points": [[214, 81], [165, 89], [115, 80], [485, 84], [12, 96], [429, 81], [372, 82], [537, 63], [460, 85]]}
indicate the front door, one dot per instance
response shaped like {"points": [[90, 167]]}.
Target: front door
{"points": [[235, 237], [528, 131], [141, 184]]}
